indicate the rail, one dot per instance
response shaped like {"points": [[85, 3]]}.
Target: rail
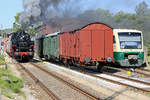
{"points": [[67, 83], [112, 81], [37, 81]]}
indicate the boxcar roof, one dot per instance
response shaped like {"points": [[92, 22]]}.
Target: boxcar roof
{"points": [[81, 27], [52, 34], [94, 23]]}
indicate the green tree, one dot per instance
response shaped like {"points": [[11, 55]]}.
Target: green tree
{"points": [[98, 15], [143, 20], [141, 9], [16, 25], [30, 30], [125, 20]]}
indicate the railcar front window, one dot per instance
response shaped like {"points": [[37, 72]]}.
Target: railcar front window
{"points": [[130, 40]]}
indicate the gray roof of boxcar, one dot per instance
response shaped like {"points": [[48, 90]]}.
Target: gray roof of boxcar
{"points": [[52, 34]]}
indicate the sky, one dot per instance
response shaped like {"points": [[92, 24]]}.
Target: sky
{"points": [[9, 8], [117, 5]]}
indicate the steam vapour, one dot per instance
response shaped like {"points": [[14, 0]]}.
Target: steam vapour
{"points": [[37, 10], [54, 11]]}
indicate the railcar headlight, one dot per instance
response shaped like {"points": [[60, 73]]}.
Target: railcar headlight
{"points": [[109, 59], [30, 49]]}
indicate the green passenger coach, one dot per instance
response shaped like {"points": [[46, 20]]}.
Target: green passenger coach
{"points": [[128, 47]]}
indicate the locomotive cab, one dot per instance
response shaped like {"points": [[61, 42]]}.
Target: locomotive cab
{"points": [[128, 47]]}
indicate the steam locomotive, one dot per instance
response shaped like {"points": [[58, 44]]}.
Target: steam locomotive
{"points": [[20, 46]]}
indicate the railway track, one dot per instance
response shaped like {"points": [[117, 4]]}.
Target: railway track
{"points": [[121, 83], [49, 92], [139, 71], [126, 78], [147, 70], [144, 72], [67, 83], [41, 84], [117, 82]]}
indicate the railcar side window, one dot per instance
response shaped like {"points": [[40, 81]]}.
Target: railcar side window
{"points": [[114, 40]]}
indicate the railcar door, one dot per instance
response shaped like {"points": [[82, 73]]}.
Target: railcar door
{"points": [[85, 45], [98, 45]]}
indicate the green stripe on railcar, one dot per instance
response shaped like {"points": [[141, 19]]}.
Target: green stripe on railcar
{"points": [[122, 59], [121, 55]]}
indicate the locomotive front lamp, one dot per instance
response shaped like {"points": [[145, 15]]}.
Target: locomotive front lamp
{"points": [[17, 50], [30, 49]]}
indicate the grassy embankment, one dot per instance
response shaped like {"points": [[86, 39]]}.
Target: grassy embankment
{"points": [[9, 84], [148, 50]]}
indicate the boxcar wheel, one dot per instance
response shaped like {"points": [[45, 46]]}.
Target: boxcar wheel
{"points": [[99, 67], [46, 57]]}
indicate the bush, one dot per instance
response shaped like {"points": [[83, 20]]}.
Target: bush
{"points": [[2, 62], [148, 48], [9, 83]]}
